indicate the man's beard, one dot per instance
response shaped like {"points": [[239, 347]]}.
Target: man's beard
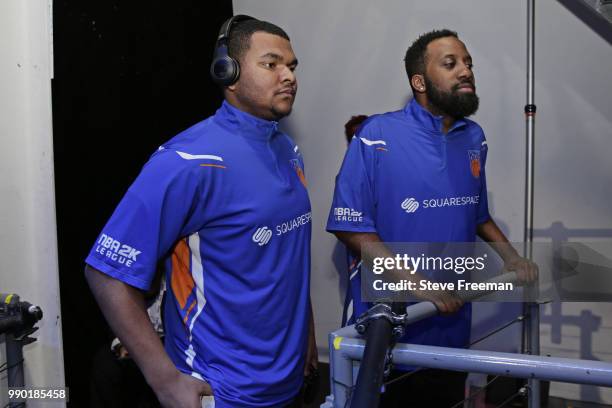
{"points": [[454, 104]]}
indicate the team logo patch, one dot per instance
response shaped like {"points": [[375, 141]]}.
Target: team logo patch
{"points": [[298, 170], [262, 236], [474, 156]]}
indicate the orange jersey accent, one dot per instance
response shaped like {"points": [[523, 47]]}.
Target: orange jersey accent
{"points": [[181, 282]]}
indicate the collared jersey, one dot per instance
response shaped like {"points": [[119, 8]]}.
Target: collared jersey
{"points": [[403, 179], [223, 209]]}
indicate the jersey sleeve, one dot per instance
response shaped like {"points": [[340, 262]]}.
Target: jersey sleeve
{"points": [[354, 204], [483, 203], [151, 217]]}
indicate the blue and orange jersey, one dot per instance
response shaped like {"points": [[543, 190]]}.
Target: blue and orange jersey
{"points": [[406, 181], [222, 209]]}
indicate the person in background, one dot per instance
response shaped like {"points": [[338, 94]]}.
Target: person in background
{"points": [[353, 261]]}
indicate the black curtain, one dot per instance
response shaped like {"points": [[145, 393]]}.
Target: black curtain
{"points": [[129, 75]]}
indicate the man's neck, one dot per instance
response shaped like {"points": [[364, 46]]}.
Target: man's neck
{"points": [[447, 121], [242, 107]]}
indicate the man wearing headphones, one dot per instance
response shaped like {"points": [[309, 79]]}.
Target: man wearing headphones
{"points": [[417, 175], [223, 210]]}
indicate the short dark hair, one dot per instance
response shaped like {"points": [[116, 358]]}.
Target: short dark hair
{"points": [[241, 32], [415, 55]]}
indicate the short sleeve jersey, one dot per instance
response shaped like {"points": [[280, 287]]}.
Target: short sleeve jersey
{"points": [[405, 180], [223, 210]]}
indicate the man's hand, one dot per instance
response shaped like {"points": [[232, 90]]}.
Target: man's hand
{"points": [[446, 302], [181, 391], [526, 270]]}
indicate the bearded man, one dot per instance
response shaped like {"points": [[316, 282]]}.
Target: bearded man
{"points": [[395, 166]]}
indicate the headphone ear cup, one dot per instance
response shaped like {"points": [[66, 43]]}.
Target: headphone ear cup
{"points": [[224, 70]]}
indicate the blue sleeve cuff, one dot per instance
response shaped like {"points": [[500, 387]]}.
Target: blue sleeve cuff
{"points": [[350, 228], [483, 219], [117, 274]]}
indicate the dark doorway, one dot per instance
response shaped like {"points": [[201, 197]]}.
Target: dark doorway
{"points": [[128, 76]]}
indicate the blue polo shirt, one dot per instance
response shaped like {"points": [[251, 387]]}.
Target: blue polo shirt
{"points": [[223, 210], [405, 180]]}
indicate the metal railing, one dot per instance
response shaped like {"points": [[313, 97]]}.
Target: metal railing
{"points": [[360, 385]]}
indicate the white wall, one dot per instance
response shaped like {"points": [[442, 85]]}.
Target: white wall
{"points": [[350, 54], [28, 247], [574, 173]]}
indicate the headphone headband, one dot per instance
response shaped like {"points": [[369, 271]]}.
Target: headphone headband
{"points": [[226, 28]]}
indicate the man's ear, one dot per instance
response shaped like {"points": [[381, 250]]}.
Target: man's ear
{"points": [[417, 81]]}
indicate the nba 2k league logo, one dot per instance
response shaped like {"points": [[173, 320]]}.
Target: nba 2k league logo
{"points": [[262, 236], [410, 205]]}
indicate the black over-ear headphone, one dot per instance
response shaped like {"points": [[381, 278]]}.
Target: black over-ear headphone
{"points": [[224, 69]]}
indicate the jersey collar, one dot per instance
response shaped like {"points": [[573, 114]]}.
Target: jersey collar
{"points": [[244, 123], [426, 119]]}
